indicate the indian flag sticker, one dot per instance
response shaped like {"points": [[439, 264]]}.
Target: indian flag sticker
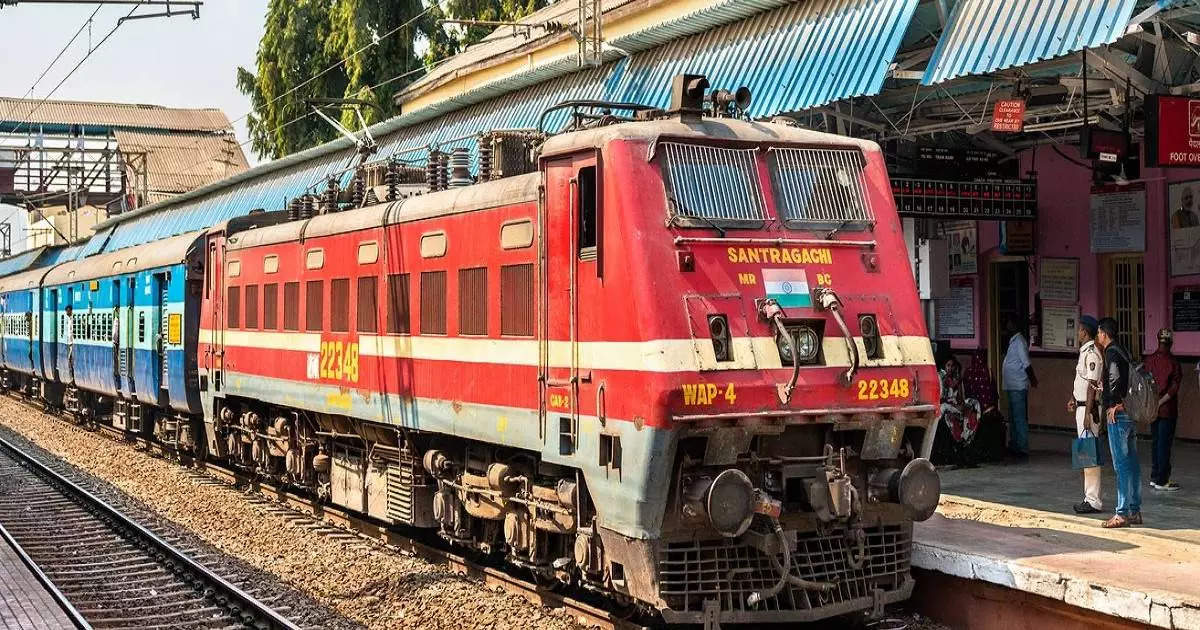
{"points": [[789, 287]]}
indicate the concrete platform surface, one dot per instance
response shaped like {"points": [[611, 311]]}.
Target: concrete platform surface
{"points": [[1012, 525], [24, 603]]}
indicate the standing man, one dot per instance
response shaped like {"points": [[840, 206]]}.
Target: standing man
{"points": [[1018, 376], [1167, 375], [1083, 405], [1122, 434]]}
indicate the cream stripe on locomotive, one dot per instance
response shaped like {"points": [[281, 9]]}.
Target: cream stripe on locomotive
{"points": [[662, 355]]}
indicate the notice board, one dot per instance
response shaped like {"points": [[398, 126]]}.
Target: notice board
{"points": [[1118, 218], [1059, 326], [1058, 280], [1185, 309], [955, 314]]}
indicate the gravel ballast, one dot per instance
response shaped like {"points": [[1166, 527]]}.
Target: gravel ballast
{"points": [[362, 581]]}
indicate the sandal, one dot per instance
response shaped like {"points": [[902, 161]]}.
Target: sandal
{"points": [[1115, 522], [1135, 519]]}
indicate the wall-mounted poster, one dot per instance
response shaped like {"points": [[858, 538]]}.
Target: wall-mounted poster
{"points": [[1183, 216], [963, 245], [1059, 326], [1018, 238], [1185, 309], [954, 315], [1118, 218], [1058, 280]]}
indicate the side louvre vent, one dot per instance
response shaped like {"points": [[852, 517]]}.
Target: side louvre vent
{"points": [[516, 300], [472, 301], [433, 302], [409, 494]]}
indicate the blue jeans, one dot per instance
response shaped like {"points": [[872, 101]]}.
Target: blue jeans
{"points": [[1018, 416], [1122, 440], [1163, 430]]}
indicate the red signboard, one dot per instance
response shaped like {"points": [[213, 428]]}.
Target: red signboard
{"points": [[1172, 131], [1009, 116]]}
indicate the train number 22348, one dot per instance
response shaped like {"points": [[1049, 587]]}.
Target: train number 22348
{"points": [[339, 361], [884, 388]]}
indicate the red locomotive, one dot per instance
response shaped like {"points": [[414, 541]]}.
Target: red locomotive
{"points": [[681, 362]]}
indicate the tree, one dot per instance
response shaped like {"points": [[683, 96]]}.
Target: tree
{"points": [[304, 38]]}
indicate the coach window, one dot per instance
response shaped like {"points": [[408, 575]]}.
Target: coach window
{"points": [[314, 305], [235, 268], [588, 204], [251, 306], [314, 259], [291, 306], [339, 305], [398, 319], [270, 306], [367, 300], [233, 307], [368, 253], [271, 264]]}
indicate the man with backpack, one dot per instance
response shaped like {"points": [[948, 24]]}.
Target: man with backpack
{"points": [[1122, 430], [1167, 375]]}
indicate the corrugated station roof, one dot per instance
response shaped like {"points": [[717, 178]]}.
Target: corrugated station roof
{"points": [[797, 38], [987, 35], [179, 162], [20, 262], [120, 115]]}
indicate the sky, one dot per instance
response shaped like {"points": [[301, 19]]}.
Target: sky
{"points": [[172, 61]]}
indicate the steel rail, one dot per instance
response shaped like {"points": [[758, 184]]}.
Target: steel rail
{"points": [[67, 607], [261, 613]]}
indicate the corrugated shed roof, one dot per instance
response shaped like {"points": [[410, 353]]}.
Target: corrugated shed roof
{"points": [[987, 35], [20, 262], [179, 162], [123, 115], [784, 56]]}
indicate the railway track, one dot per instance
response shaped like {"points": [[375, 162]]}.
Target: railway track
{"points": [[105, 569], [350, 527]]}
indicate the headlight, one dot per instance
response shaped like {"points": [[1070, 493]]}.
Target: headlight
{"points": [[806, 342]]}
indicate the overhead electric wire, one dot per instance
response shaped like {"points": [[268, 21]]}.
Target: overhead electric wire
{"points": [[56, 58]]}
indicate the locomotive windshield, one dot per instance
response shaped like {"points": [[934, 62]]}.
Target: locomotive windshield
{"points": [[812, 188]]}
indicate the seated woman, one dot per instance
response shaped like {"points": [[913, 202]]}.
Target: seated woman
{"points": [[989, 443], [959, 423]]}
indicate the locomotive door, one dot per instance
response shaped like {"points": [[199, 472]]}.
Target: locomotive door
{"points": [[569, 258], [214, 357]]}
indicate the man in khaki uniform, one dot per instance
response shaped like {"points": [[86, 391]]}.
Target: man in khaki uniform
{"points": [[1083, 403]]}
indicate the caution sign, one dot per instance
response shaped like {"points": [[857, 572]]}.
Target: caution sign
{"points": [[175, 329], [1009, 116]]}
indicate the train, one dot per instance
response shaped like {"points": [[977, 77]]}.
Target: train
{"points": [[674, 357]]}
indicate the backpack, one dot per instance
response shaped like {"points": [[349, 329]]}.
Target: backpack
{"points": [[1141, 401]]}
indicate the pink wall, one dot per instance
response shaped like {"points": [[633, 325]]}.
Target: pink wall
{"points": [[1063, 231]]}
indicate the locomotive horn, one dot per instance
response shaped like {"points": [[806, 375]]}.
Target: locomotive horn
{"points": [[741, 98]]}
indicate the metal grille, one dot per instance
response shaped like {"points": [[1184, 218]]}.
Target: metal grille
{"points": [[712, 183], [291, 306], [433, 302], [820, 185], [233, 307], [408, 492], [516, 300], [270, 306], [251, 306], [398, 316], [164, 319], [472, 301], [314, 305], [692, 572], [367, 300], [1128, 302], [339, 305]]}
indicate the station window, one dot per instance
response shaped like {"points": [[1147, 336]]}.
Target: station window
{"points": [[252, 306], [233, 307], [367, 300], [433, 302], [398, 316], [270, 306], [291, 306], [314, 305], [339, 305], [588, 204], [472, 301]]}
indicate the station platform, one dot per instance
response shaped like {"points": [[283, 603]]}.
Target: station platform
{"points": [[24, 603], [1012, 526]]}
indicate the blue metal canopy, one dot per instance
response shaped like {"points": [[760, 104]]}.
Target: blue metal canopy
{"points": [[987, 35]]}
